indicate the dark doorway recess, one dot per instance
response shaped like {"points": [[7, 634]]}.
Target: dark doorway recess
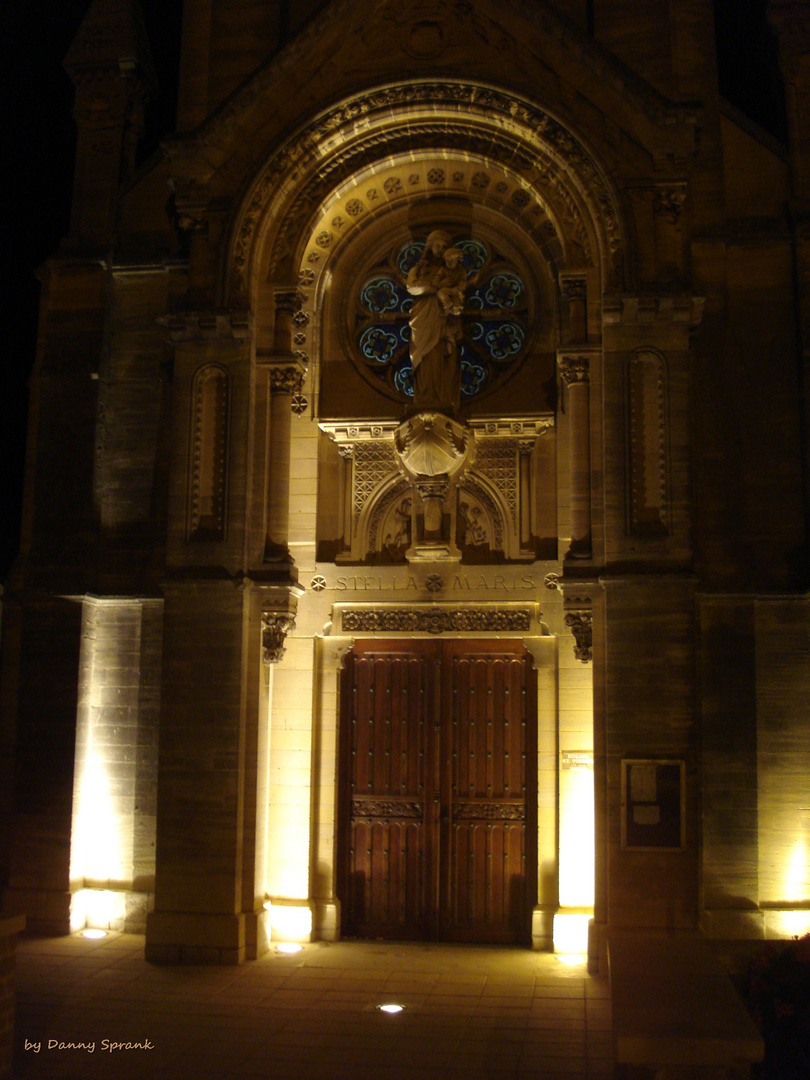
{"points": [[437, 805]]}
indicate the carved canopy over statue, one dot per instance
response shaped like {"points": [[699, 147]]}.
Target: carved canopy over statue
{"points": [[437, 281]]}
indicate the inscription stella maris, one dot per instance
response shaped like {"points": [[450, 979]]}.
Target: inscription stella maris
{"points": [[454, 583]]}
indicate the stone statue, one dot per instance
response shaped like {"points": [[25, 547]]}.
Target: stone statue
{"points": [[437, 281]]}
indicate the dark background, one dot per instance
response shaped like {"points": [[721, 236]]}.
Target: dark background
{"points": [[36, 156]]}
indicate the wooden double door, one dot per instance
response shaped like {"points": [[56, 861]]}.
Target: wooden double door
{"points": [[437, 793]]}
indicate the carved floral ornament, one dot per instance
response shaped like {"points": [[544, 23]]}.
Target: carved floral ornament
{"points": [[434, 619], [555, 160]]}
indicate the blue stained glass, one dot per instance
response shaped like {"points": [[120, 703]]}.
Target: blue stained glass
{"points": [[476, 331], [474, 254], [378, 344], [409, 255], [405, 332], [473, 377], [504, 290], [403, 380], [475, 301], [505, 340], [381, 294]]}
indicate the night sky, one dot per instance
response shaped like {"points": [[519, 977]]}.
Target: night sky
{"points": [[37, 166]]}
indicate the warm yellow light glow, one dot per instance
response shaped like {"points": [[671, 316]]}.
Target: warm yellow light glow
{"points": [[576, 838], [289, 947], [391, 1008], [94, 935], [572, 959], [785, 923], [797, 877], [571, 933], [99, 908], [289, 922], [101, 835]]}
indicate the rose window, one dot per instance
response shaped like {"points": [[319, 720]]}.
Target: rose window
{"points": [[494, 319]]}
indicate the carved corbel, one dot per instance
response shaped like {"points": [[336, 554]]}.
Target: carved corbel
{"points": [[275, 627], [580, 623]]}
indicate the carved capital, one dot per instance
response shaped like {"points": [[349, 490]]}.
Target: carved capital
{"points": [[275, 627], [580, 624], [668, 203], [573, 288], [574, 369], [288, 299], [434, 487], [286, 379]]}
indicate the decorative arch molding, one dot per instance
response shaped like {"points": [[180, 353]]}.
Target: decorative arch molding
{"points": [[551, 162]]}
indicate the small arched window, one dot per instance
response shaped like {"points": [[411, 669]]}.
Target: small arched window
{"points": [[209, 441], [495, 318]]}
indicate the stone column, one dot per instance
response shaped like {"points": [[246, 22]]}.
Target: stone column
{"points": [[575, 294], [213, 771], [577, 858], [574, 370], [345, 501], [286, 373], [525, 448], [285, 380]]}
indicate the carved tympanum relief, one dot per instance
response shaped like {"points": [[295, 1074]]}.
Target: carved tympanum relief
{"points": [[490, 508]]}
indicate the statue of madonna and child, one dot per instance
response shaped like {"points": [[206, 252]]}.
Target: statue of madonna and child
{"points": [[437, 282], [433, 444]]}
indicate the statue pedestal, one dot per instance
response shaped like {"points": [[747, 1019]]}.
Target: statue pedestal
{"points": [[434, 451]]}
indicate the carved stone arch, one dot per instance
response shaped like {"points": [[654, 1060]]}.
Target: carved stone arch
{"points": [[371, 538], [504, 521], [479, 526], [549, 157]]}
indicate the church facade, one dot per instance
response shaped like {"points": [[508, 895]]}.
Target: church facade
{"points": [[415, 526]]}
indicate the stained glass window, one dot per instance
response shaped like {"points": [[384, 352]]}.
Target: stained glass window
{"points": [[494, 319]]}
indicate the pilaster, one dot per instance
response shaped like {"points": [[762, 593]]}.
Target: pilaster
{"points": [[221, 637]]}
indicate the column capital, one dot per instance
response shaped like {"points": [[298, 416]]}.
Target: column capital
{"points": [[574, 368], [288, 298], [573, 286], [286, 377], [668, 201]]}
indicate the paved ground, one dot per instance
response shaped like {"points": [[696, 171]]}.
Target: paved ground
{"points": [[470, 1013]]}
